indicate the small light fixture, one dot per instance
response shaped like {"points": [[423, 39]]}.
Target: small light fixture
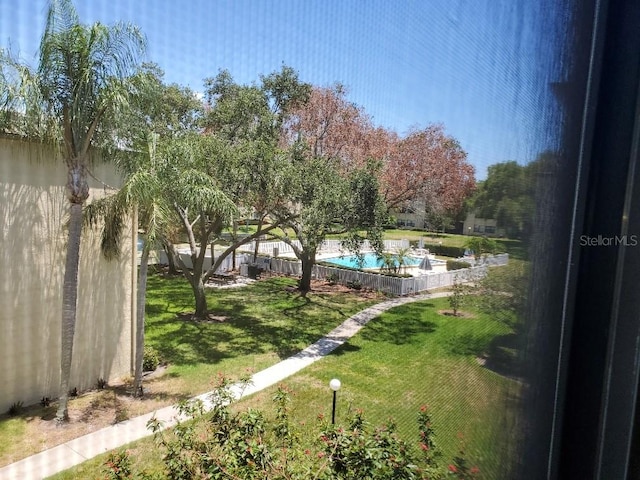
{"points": [[334, 385]]}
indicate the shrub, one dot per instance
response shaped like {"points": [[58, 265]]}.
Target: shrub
{"points": [[151, 359], [355, 285], [457, 265], [15, 409], [482, 246], [445, 250], [332, 278], [118, 466], [226, 443]]}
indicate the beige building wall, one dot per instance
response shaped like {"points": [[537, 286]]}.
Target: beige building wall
{"points": [[481, 226], [33, 212]]}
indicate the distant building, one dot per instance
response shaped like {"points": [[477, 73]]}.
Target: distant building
{"points": [[481, 226], [410, 217]]}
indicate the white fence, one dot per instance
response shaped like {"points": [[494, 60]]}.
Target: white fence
{"points": [[491, 260], [393, 285], [225, 266], [385, 283]]}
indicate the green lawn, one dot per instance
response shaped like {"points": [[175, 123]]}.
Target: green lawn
{"points": [[412, 356], [409, 356], [260, 325]]}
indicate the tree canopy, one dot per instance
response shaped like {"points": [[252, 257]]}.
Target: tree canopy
{"points": [[508, 195]]}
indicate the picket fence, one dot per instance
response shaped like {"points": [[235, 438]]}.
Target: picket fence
{"points": [[398, 286]]}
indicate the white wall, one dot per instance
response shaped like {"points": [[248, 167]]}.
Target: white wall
{"points": [[33, 210]]}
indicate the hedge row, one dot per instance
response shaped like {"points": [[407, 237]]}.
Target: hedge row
{"points": [[457, 265], [445, 250]]}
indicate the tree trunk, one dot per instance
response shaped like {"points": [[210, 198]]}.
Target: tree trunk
{"points": [[140, 313], [200, 296], [234, 238], [308, 261], [69, 307], [197, 282], [256, 247], [171, 262]]}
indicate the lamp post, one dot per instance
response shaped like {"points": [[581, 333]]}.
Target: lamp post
{"points": [[334, 385]]}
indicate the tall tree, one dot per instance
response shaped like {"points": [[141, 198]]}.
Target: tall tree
{"points": [[330, 126], [141, 193], [79, 82], [332, 177], [196, 196], [155, 110], [508, 195], [324, 201], [429, 166]]}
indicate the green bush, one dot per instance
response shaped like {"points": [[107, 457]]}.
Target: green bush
{"points": [[151, 359], [457, 265], [252, 444], [332, 278], [445, 250], [15, 409]]}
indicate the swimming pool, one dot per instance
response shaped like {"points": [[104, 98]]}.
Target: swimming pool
{"points": [[370, 261]]}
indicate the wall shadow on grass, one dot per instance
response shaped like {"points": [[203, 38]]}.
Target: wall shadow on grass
{"points": [[503, 356]]}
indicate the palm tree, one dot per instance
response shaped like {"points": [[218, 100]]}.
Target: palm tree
{"points": [[402, 256], [389, 262], [141, 193], [79, 84]]}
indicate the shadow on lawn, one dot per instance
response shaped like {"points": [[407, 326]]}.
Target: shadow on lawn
{"points": [[403, 325], [502, 356], [236, 329]]}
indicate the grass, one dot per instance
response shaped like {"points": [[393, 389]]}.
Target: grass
{"points": [[409, 356], [10, 428], [430, 237], [262, 324]]}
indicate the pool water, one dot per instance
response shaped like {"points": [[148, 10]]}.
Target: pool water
{"points": [[370, 261]]}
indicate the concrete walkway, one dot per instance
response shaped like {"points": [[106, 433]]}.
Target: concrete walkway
{"points": [[79, 450]]}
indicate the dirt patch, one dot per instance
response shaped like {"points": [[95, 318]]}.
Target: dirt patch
{"points": [[90, 411], [459, 314], [324, 287]]}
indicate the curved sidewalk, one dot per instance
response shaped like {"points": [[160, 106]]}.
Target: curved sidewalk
{"points": [[81, 449]]}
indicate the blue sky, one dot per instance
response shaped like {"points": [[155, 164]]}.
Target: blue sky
{"points": [[476, 66]]}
